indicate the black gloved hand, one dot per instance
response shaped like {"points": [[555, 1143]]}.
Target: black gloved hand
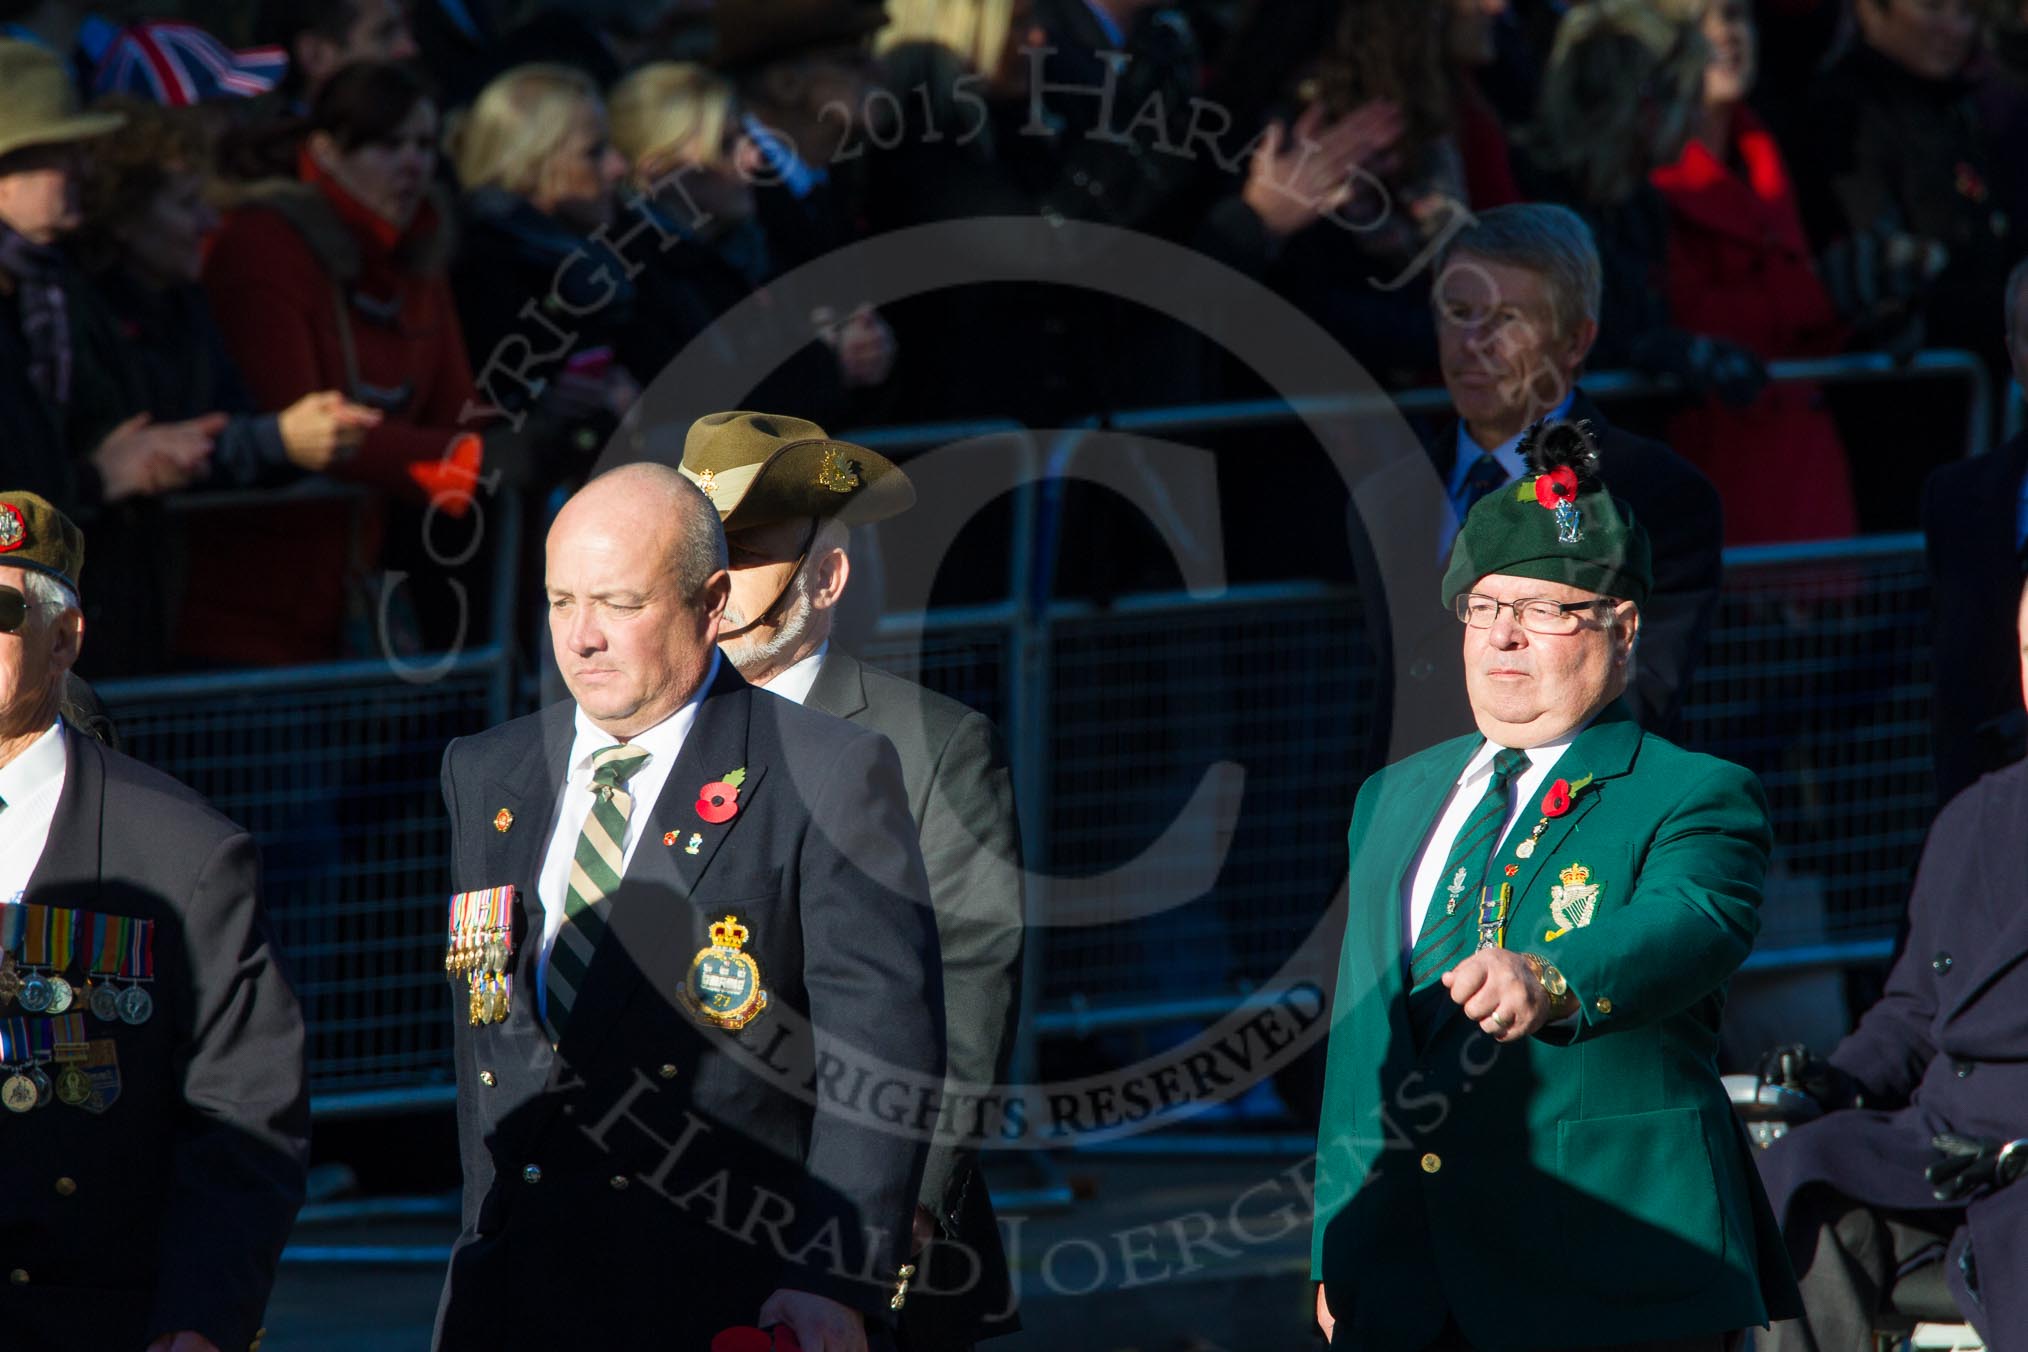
{"points": [[1968, 1164], [1705, 366], [1793, 1067]]}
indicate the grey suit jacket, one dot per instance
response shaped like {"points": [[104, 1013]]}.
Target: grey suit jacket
{"points": [[962, 798]]}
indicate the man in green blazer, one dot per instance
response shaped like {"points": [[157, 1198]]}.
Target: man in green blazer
{"points": [[1525, 1143]]}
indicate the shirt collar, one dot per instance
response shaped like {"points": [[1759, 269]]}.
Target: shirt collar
{"points": [[40, 764], [795, 683], [663, 741], [1540, 757], [1508, 452]]}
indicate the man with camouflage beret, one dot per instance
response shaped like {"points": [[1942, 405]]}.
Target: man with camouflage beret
{"points": [[1525, 1143], [156, 1131]]}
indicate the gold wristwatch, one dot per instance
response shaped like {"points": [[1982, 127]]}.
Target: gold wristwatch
{"points": [[1552, 981]]}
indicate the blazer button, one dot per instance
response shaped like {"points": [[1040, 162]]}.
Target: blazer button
{"points": [[1941, 962], [1603, 1005], [532, 1174], [1431, 1163], [1965, 1069], [19, 1277], [619, 1182], [66, 1187], [486, 1078], [668, 1072]]}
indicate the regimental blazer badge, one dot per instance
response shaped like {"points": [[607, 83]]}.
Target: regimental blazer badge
{"points": [[724, 984], [1574, 901]]}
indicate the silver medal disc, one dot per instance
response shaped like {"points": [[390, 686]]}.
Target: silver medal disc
{"points": [[136, 1005], [61, 995], [35, 994], [105, 1002]]}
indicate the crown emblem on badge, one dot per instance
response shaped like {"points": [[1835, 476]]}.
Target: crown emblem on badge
{"points": [[1577, 875], [728, 933], [707, 483], [837, 473], [13, 530]]}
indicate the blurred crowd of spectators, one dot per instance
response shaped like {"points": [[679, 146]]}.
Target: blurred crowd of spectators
{"points": [[423, 250]]}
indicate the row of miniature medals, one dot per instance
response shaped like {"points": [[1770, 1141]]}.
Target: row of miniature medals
{"points": [[37, 947], [481, 950]]}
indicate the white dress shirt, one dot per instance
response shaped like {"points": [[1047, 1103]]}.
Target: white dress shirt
{"points": [[1508, 453], [1524, 796], [796, 683], [663, 743], [30, 784]]}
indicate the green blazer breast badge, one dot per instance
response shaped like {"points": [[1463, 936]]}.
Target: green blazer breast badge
{"points": [[1573, 902]]}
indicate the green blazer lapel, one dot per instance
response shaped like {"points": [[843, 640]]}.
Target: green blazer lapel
{"points": [[1402, 821], [1602, 752]]}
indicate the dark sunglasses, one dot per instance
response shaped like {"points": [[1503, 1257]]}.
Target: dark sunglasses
{"points": [[13, 610]]}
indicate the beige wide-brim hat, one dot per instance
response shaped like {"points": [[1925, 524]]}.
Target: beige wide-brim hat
{"points": [[763, 468], [39, 105]]}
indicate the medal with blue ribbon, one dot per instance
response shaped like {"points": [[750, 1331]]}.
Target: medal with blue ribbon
{"points": [[134, 1003]]}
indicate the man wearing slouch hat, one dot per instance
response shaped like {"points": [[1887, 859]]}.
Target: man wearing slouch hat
{"points": [[788, 495]]}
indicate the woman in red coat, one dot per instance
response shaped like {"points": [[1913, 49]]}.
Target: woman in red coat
{"points": [[336, 279], [1739, 267]]}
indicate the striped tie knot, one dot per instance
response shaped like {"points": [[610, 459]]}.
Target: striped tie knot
{"points": [[613, 766], [1508, 766]]}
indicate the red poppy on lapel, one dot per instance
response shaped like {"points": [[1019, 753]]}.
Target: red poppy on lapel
{"points": [[1556, 802], [718, 801]]}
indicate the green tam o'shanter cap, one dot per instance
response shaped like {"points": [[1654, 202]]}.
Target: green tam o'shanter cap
{"points": [[762, 468], [1557, 523], [33, 534]]}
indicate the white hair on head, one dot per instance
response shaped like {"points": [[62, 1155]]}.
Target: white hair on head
{"points": [[50, 595], [752, 653]]}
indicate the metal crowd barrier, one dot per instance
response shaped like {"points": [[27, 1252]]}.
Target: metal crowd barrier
{"points": [[1816, 677], [334, 769]]}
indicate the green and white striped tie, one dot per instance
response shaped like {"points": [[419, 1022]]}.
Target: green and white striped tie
{"points": [[595, 871]]}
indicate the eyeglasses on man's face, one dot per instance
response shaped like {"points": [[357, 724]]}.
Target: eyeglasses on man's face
{"points": [[1536, 614]]}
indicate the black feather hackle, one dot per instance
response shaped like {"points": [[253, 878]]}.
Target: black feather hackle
{"points": [[1551, 444]]}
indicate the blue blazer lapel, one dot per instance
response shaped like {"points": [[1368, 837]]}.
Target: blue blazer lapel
{"points": [[653, 907], [528, 790]]}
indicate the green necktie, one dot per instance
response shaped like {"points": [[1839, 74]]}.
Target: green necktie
{"points": [[594, 875], [1448, 931]]}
